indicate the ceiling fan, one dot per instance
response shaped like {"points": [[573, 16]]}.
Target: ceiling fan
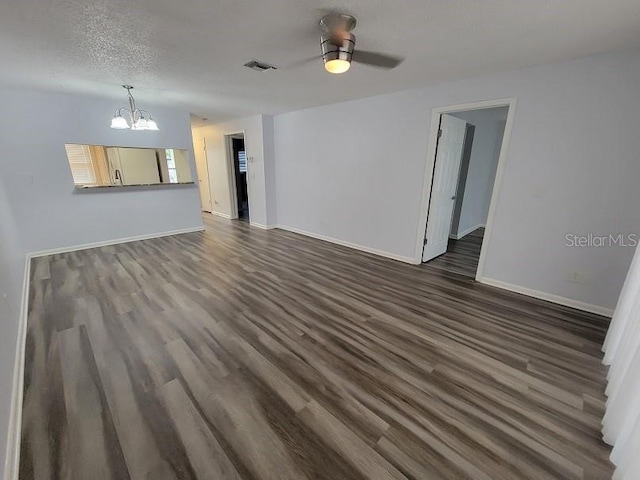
{"points": [[338, 46]]}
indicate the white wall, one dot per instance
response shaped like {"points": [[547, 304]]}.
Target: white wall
{"points": [[260, 168], [483, 162], [269, 168], [12, 261], [354, 171], [33, 131]]}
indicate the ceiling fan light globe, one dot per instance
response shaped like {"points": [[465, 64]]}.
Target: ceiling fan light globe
{"points": [[337, 66], [152, 125]]}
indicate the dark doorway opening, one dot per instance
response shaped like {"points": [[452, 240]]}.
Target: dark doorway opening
{"points": [[240, 167]]}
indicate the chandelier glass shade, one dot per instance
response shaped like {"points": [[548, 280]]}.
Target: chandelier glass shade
{"points": [[132, 118]]}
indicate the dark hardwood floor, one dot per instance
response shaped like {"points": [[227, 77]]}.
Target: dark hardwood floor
{"points": [[462, 255], [243, 353]]}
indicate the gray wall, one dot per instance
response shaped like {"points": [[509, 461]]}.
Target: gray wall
{"points": [[354, 171], [49, 213], [483, 162]]}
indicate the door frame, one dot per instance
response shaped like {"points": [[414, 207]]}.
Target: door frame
{"points": [[436, 112], [231, 172]]}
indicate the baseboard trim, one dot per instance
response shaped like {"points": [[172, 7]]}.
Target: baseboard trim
{"points": [[355, 246], [549, 297], [466, 232], [12, 459], [263, 227], [116, 241], [220, 214]]}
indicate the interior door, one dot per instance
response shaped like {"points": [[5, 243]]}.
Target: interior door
{"points": [[443, 187], [203, 174]]}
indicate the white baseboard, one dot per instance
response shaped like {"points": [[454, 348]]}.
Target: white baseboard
{"points": [[263, 227], [85, 246], [464, 233], [220, 214], [12, 459], [355, 246], [549, 297]]}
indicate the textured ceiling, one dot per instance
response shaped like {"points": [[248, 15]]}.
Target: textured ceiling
{"points": [[189, 53]]}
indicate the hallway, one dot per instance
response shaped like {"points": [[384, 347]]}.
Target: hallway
{"points": [[462, 255]]}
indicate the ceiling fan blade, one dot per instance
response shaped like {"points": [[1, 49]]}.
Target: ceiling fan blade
{"points": [[376, 59], [300, 63]]}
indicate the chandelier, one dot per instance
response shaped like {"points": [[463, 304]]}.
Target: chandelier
{"points": [[138, 119]]}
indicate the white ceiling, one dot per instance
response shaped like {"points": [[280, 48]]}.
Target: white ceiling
{"points": [[189, 53]]}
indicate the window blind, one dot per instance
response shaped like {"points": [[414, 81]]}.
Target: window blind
{"points": [[81, 164], [242, 161]]}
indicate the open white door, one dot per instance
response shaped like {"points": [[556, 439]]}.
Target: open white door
{"points": [[202, 169], [443, 186]]}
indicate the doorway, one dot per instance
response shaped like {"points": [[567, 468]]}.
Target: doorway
{"points": [[238, 157], [464, 171]]}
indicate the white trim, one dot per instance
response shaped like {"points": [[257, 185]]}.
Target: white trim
{"points": [[263, 227], [12, 459], [220, 214], [355, 246], [549, 297], [231, 174], [466, 232], [431, 154], [85, 246]]}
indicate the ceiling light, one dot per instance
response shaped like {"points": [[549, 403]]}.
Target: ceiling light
{"points": [[119, 122], [337, 50], [141, 124], [337, 66], [151, 124], [137, 118]]}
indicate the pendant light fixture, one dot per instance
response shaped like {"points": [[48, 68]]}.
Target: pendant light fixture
{"points": [[138, 119]]}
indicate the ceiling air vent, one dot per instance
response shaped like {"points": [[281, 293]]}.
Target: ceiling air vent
{"points": [[259, 66]]}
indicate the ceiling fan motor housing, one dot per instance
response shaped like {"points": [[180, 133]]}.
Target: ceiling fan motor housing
{"points": [[338, 47]]}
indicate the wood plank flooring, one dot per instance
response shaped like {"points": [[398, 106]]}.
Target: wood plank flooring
{"points": [[462, 255], [238, 353]]}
